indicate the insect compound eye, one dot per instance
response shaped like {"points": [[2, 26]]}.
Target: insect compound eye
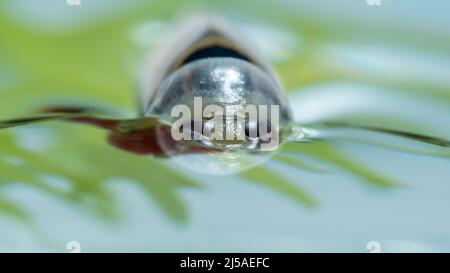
{"points": [[258, 129], [208, 127], [251, 129], [192, 129]]}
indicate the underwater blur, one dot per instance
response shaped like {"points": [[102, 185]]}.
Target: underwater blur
{"points": [[382, 66]]}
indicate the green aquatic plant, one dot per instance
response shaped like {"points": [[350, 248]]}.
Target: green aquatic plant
{"points": [[93, 65]]}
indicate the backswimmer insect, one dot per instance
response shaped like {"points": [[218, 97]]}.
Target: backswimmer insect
{"points": [[205, 58]]}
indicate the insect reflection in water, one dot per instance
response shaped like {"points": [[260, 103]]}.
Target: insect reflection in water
{"points": [[206, 59]]}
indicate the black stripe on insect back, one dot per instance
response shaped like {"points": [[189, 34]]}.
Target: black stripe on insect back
{"points": [[214, 51]]}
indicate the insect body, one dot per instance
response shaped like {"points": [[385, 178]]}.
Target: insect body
{"points": [[206, 59], [221, 69]]}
